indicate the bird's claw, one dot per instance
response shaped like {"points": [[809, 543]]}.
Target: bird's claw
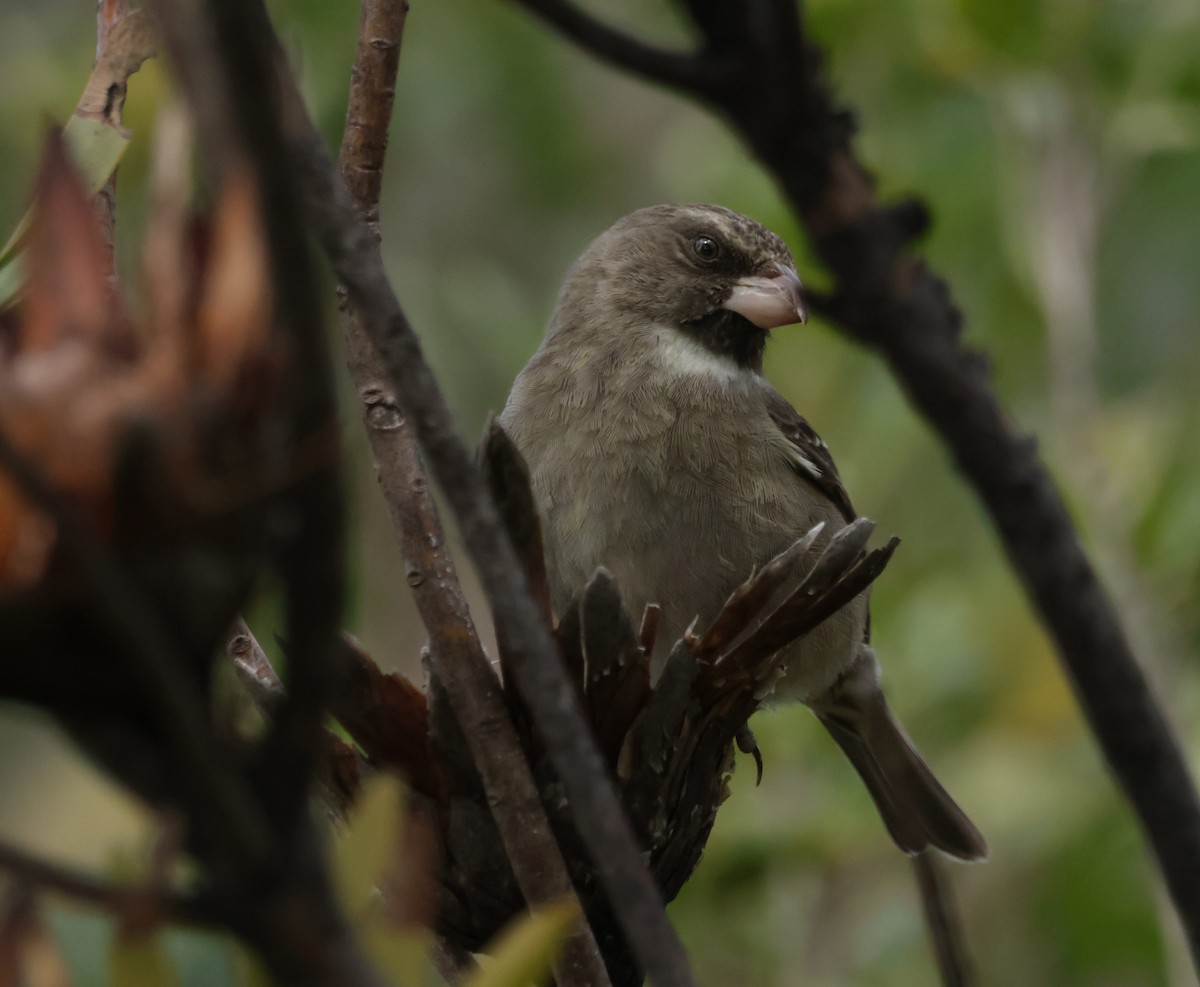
{"points": [[748, 745]]}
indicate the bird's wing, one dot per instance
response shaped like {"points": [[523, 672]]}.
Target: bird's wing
{"points": [[810, 456]]}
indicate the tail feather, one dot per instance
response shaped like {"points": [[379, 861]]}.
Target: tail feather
{"points": [[916, 809]]}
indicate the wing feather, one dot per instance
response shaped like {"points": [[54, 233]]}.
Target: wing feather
{"points": [[810, 456]]}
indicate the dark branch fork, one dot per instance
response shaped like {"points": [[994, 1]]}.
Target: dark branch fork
{"points": [[760, 73]]}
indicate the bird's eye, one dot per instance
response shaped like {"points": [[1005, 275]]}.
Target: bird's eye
{"points": [[707, 249]]}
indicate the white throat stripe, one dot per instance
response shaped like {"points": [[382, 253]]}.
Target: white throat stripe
{"points": [[684, 355]]}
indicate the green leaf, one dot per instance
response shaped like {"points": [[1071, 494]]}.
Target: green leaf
{"points": [[12, 280], [141, 961], [525, 952], [96, 147]]}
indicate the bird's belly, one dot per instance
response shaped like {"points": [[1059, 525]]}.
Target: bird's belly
{"points": [[680, 516]]}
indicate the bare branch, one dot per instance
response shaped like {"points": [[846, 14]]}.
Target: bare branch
{"points": [[108, 12], [340, 766], [551, 698], [146, 903], [680, 70], [457, 656], [253, 666], [234, 50], [369, 103]]}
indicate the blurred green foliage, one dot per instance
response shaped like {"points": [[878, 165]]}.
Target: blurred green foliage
{"points": [[1058, 145]]}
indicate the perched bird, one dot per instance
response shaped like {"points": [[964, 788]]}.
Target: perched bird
{"points": [[658, 450]]}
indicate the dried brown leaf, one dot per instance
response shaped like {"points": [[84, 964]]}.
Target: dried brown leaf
{"points": [[618, 670], [508, 479], [233, 319], [747, 601], [68, 291], [387, 716], [802, 611]]}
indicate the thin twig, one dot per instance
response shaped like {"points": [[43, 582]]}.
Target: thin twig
{"points": [[146, 902], [341, 765], [253, 666], [108, 12], [457, 655], [678, 69]]}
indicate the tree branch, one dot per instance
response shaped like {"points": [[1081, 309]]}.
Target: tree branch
{"points": [[108, 12], [341, 765], [357, 262], [145, 902], [693, 72], [457, 656]]}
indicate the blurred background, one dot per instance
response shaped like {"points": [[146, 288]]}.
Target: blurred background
{"points": [[1058, 145]]}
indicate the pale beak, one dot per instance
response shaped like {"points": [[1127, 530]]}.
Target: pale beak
{"points": [[773, 297]]}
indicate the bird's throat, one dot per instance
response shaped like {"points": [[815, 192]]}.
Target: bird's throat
{"points": [[727, 334]]}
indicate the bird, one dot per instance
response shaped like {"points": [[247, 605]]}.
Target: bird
{"points": [[658, 450]]}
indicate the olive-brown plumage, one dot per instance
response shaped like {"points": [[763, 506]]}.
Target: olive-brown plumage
{"points": [[657, 449]]}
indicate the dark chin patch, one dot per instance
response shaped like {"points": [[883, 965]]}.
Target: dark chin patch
{"points": [[729, 335]]}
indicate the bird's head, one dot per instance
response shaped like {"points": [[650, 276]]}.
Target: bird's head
{"points": [[705, 271]]}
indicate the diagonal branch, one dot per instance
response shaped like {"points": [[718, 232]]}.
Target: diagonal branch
{"points": [[147, 902], [556, 709], [456, 655]]}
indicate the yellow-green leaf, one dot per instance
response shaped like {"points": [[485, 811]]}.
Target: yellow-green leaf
{"points": [[141, 961], [524, 953], [402, 955], [96, 147], [248, 971], [12, 280], [368, 844]]}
